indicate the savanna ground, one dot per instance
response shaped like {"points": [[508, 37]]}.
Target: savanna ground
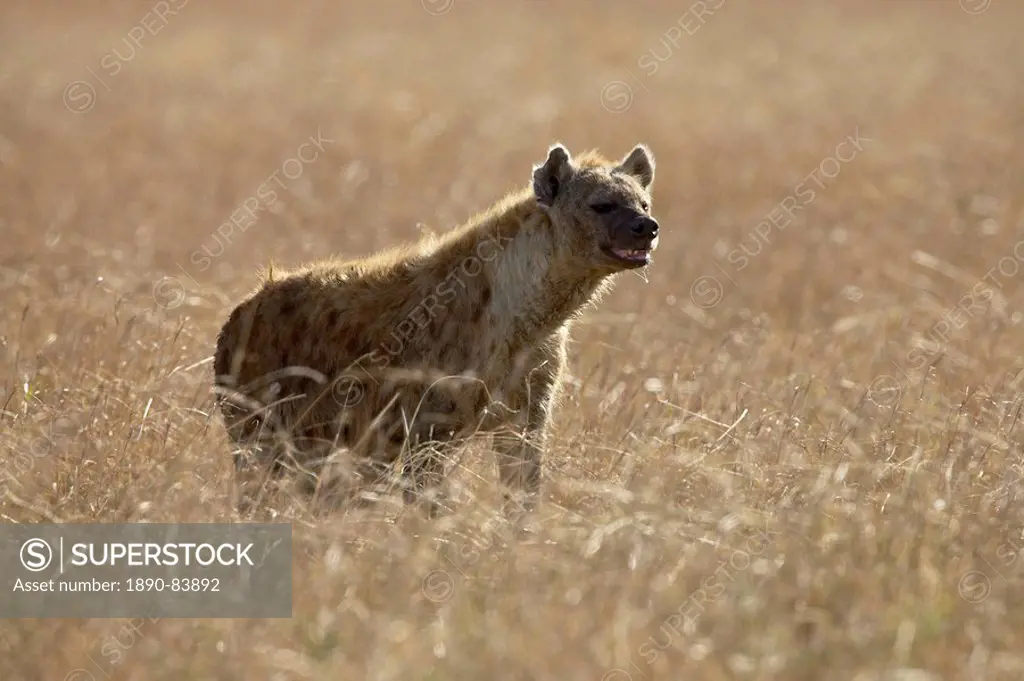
{"points": [[791, 453]]}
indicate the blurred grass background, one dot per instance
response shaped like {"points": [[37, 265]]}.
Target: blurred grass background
{"points": [[811, 394]]}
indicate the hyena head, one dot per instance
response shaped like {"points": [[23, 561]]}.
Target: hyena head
{"points": [[600, 210]]}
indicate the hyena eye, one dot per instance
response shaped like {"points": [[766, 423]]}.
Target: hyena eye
{"points": [[603, 208], [646, 206]]}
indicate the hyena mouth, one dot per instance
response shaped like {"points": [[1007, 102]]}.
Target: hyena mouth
{"points": [[636, 257]]}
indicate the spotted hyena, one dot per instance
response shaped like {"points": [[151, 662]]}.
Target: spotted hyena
{"points": [[382, 361]]}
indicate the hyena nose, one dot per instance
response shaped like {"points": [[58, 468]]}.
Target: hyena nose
{"points": [[645, 227]]}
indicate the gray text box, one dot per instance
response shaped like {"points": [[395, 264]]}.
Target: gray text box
{"points": [[236, 570]]}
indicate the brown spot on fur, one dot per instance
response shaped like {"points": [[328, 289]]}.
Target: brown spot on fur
{"points": [[298, 335]]}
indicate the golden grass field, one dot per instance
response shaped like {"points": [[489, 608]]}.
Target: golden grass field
{"points": [[791, 453]]}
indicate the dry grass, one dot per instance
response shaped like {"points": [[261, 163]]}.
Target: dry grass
{"points": [[705, 402]]}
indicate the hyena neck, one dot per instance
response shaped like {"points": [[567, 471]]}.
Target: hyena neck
{"points": [[537, 286]]}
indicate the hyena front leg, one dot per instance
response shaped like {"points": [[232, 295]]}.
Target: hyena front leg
{"points": [[520, 456], [520, 449]]}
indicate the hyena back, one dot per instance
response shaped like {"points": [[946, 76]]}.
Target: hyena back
{"points": [[416, 347]]}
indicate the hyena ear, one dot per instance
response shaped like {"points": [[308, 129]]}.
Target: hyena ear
{"points": [[552, 176], [640, 164]]}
